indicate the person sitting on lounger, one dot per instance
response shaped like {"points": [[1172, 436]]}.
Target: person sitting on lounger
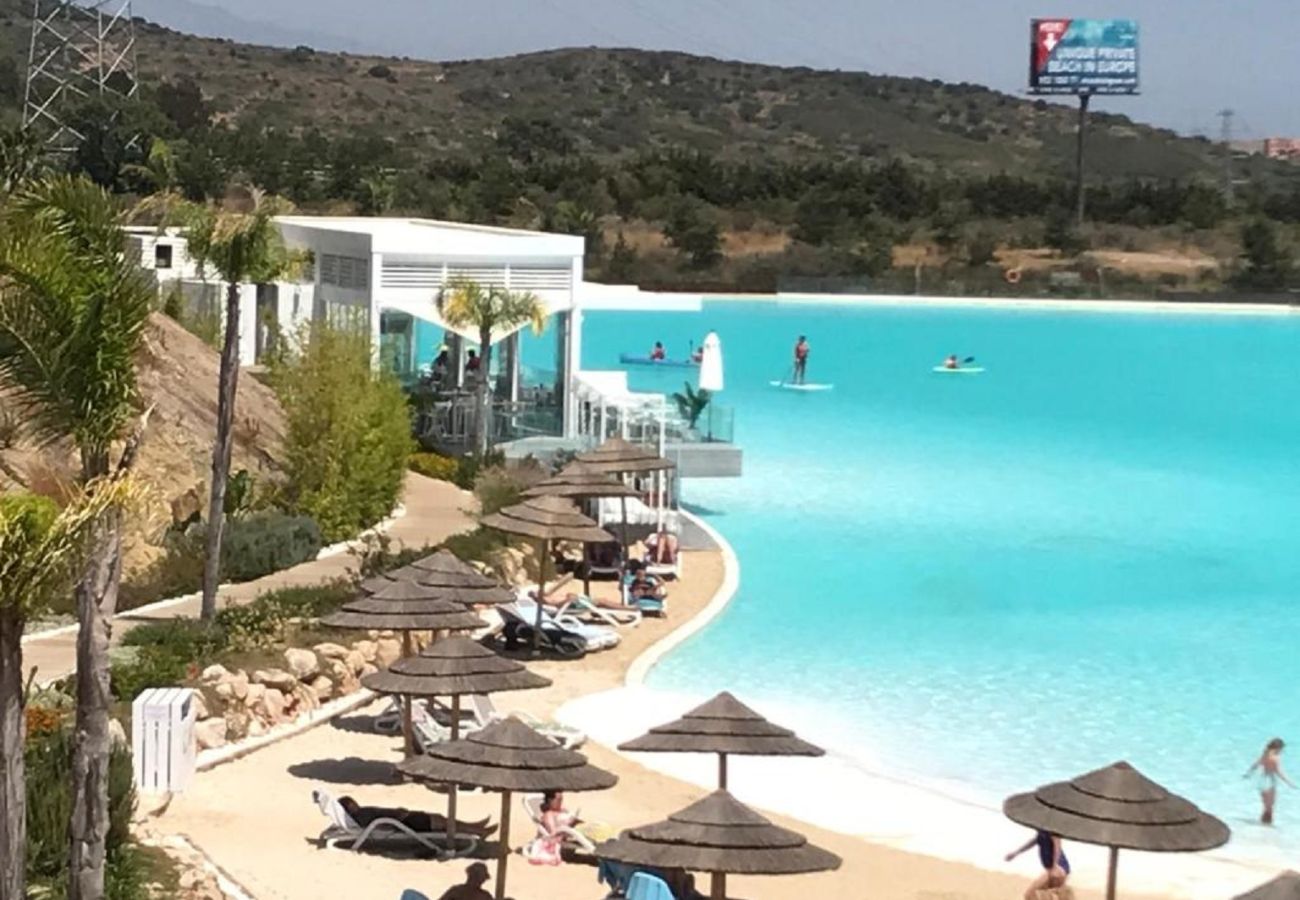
{"points": [[476, 876], [419, 822], [661, 549], [553, 828], [643, 585]]}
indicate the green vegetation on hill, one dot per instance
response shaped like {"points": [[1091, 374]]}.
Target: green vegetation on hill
{"points": [[685, 170]]}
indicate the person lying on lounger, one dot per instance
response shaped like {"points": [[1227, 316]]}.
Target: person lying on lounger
{"points": [[661, 549], [419, 822]]}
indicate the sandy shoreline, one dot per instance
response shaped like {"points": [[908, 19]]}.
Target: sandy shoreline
{"points": [[255, 819], [1045, 304]]}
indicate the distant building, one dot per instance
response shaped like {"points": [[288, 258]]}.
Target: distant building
{"points": [[1282, 148]]}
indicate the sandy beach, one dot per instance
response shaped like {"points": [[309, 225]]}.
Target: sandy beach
{"points": [[255, 820]]}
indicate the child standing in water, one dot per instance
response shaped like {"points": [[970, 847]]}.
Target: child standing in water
{"points": [[1268, 771]]}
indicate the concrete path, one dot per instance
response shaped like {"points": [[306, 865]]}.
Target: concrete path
{"points": [[435, 510]]}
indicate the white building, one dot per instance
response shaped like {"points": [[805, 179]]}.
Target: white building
{"points": [[385, 274]]}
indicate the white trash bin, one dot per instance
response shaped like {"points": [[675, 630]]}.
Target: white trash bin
{"points": [[163, 744]]}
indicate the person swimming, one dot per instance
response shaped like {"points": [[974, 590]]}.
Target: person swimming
{"points": [[1268, 772], [658, 353]]}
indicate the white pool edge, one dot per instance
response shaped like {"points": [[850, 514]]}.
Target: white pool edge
{"points": [[722, 597]]}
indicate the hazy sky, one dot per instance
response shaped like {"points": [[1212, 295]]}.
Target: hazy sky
{"points": [[1198, 56]]}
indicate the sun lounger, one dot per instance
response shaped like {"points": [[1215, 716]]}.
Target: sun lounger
{"points": [[603, 559], [583, 608], [345, 832], [672, 568], [485, 713], [566, 634], [644, 886]]}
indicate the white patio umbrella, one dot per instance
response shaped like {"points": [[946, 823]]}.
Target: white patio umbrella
{"points": [[711, 370]]}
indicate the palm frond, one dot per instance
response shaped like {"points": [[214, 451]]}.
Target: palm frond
{"points": [[468, 304]]}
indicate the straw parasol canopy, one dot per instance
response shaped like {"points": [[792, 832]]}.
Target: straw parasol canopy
{"points": [[724, 726], [546, 519], [578, 481], [452, 667], [617, 456], [1120, 808], [721, 836], [1284, 887], [459, 580], [508, 756]]}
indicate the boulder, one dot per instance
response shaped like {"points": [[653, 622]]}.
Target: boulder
{"points": [[368, 669], [275, 678], [302, 663], [200, 705], [275, 705], [117, 734], [330, 651], [322, 688], [345, 680], [355, 661], [214, 674], [256, 728], [255, 694], [367, 649], [210, 733], [237, 722], [387, 652]]}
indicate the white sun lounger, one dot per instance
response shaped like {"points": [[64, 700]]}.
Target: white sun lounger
{"points": [[485, 713], [595, 637], [583, 606], [345, 833]]}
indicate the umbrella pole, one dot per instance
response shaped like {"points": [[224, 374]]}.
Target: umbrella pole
{"points": [[451, 794], [722, 771], [1112, 874], [623, 502], [408, 726], [503, 853], [541, 595], [718, 890]]}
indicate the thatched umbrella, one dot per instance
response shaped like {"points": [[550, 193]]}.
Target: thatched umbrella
{"points": [[619, 457], [578, 481], [405, 607], [1120, 808], [461, 581], [1284, 887], [508, 756], [724, 726], [721, 836], [453, 667], [546, 519]]}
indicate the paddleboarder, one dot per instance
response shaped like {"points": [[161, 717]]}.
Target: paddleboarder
{"points": [[801, 351]]}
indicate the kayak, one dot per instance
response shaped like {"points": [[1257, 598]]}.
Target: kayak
{"points": [[791, 386], [629, 359], [962, 370]]}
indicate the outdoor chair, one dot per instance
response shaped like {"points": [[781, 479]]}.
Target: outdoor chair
{"points": [[345, 833]]}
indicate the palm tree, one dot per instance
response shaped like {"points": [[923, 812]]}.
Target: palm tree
{"points": [[241, 241], [73, 311], [467, 304], [40, 552]]}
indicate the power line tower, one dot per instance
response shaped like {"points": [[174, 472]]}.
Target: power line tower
{"points": [[78, 50], [1225, 137]]}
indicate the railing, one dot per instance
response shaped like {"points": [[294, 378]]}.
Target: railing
{"points": [[450, 422]]}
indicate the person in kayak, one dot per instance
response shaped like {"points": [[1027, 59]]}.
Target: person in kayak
{"points": [[657, 354], [801, 351], [697, 355], [951, 362]]}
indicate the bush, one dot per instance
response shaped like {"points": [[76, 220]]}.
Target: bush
{"points": [[496, 488], [480, 545], [267, 542], [434, 465], [49, 806], [469, 467], [349, 433]]}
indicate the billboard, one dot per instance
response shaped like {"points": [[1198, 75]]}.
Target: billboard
{"points": [[1083, 56]]}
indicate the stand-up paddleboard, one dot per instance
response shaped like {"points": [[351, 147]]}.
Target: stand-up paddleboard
{"points": [[960, 370], [791, 386]]}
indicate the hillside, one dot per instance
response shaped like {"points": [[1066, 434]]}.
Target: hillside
{"points": [[617, 102], [178, 379]]}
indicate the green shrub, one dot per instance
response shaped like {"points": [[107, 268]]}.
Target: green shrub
{"points": [[267, 542], [496, 488], [178, 571], [49, 806], [469, 467], [480, 545], [348, 432], [434, 465]]}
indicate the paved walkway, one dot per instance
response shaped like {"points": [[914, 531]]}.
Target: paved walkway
{"points": [[435, 510]]}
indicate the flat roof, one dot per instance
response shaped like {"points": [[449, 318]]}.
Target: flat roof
{"points": [[422, 237]]}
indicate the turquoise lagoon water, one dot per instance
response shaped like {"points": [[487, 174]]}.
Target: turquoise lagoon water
{"points": [[1087, 553]]}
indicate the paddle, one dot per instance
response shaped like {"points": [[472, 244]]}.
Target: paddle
{"points": [[969, 359]]}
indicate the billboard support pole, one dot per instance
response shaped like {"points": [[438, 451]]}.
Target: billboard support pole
{"points": [[1081, 193]]}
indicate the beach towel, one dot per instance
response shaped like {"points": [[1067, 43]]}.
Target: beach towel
{"points": [[644, 886]]}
